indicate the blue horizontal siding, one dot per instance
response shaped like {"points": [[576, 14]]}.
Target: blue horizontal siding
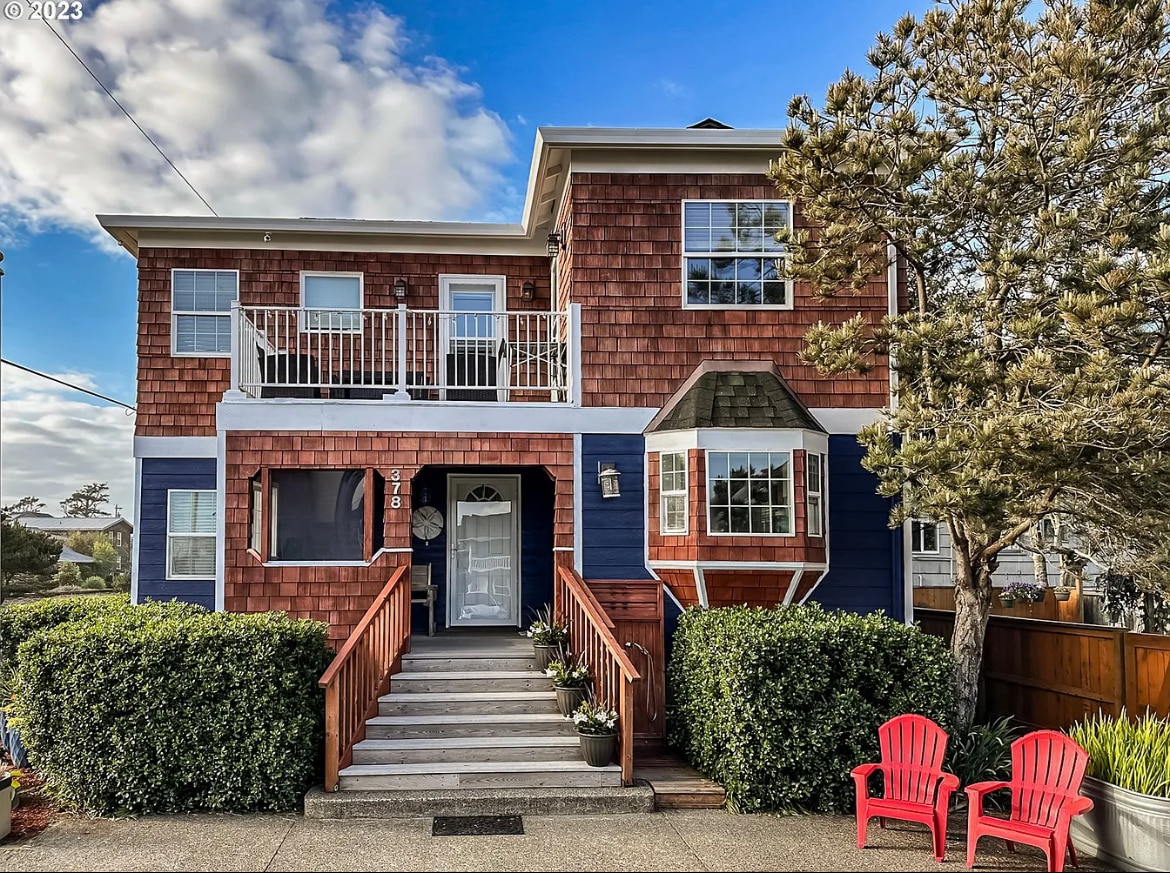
{"points": [[613, 529], [160, 475]]}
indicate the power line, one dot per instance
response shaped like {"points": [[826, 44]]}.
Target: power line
{"points": [[125, 112], [66, 384]]}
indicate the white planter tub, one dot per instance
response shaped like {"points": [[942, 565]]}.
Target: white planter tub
{"points": [[6, 793], [1128, 830]]}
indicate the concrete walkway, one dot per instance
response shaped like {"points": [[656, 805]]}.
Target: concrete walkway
{"points": [[690, 840]]}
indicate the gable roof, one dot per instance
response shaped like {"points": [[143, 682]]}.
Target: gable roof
{"points": [[67, 554], [734, 394], [52, 525]]}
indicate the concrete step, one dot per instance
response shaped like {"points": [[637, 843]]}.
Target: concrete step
{"points": [[445, 749], [406, 803], [459, 681], [467, 663], [436, 726], [467, 704], [479, 774]]}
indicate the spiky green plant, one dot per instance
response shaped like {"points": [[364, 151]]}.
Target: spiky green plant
{"points": [[1132, 755]]}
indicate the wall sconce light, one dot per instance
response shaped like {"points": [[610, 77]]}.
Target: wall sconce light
{"points": [[527, 290], [399, 287], [554, 244], [607, 476]]}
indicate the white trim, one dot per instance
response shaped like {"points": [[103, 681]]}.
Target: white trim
{"points": [[428, 417], [789, 289], [791, 495], [578, 507], [220, 519], [701, 587], [740, 161], [517, 552], [174, 447], [305, 327], [792, 586], [738, 565], [562, 548], [575, 356], [167, 575], [908, 575], [663, 493], [334, 563], [892, 310], [820, 579], [729, 439], [137, 533], [175, 313], [847, 420], [933, 553], [500, 283], [820, 493]]}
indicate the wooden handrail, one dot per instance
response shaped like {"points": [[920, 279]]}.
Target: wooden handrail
{"points": [[591, 638], [360, 672]]}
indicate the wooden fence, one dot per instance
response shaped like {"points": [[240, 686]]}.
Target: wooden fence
{"points": [[943, 597], [1049, 674]]}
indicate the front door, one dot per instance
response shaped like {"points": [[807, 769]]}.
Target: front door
{"points": [[483, 552], [472, 328]]}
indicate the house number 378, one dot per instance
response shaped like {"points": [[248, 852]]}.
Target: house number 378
{"points": [[396, 489]]}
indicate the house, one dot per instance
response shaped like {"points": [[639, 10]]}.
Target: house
{"points": [[611, 385], [117, 529]]}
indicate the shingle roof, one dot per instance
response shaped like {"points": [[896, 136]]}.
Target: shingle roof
{"points": [[743, 394], [67, 554], [68, 524]]}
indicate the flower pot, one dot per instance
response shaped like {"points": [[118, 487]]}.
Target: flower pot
{"points": [[568, 699], [1007, 601], [598, 749], [1062, 596], [6, 795], [1125, 829], [545, 655]]}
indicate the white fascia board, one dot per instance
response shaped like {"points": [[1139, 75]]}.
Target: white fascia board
{"points": [[737, 565], [308, 225], [175, 447], [846, 420], [657, 137], [737, 440]]}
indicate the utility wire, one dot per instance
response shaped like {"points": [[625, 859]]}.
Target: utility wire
{"points": [[66, 384], [125, 112]]}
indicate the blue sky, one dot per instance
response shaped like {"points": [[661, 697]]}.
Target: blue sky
{"points": [[500, 69]]}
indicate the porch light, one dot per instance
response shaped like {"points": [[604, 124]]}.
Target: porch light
{"points": [[527, 290], [399, 287], [554, 244], [607, 475]]}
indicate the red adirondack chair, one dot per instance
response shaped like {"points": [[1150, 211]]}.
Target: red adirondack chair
{"points": [[915, 788], [1047, 769]]}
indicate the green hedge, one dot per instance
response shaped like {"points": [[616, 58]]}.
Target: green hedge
{"points": [[161, 708], [19, 622], [780, 704]]}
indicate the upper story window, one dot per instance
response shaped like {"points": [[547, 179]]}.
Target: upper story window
{"points": [[924, 537], [672, 513], [331, 295], [750, 493], [730, 253], [815, 490], [201, 309]]}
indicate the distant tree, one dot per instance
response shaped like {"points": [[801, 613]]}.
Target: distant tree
{"points": [[105, 558], [24, 551], [68, 575], [87, 501], [23, 506]]}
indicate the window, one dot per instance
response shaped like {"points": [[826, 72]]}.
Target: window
{"points": [[256, 516], [730, 253], [191, 534], [749, 493], [201, 311], [328, 297], [118, 538], [321, 515], [924, 537], [814, 479], [672, 512]]}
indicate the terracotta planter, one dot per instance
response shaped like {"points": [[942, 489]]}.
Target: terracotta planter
{"points": [[568, 699], [1125, 829], [598, 749], [545, 655]]}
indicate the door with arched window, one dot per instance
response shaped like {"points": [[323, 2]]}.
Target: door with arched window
{"points": [[483, 557]]}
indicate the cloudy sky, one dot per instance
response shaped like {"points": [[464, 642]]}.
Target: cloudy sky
{"points": [[412, 110]]}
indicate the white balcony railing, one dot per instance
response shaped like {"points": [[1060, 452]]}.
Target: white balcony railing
{"points": [[404, 354]]}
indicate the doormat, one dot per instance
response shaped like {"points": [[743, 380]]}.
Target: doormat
{"points": [[476, 825]]}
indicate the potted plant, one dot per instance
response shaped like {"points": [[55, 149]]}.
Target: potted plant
{"points": [[1062, 592], [571, 680], [1006, 598], [596, 725], [1128, 780], [1023, 592], [548, 636]]}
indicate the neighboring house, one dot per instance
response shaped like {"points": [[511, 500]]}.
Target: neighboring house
{"points": [[321, 400], [118, 530]]}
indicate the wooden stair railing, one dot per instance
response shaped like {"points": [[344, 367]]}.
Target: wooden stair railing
{"points": [[591, 637], [360, 672]]}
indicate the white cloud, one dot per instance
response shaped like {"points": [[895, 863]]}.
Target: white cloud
{"points": [[55, 442], [268, 106]]}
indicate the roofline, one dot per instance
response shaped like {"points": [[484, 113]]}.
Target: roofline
{"points": [[112, 520], [658, 137]]}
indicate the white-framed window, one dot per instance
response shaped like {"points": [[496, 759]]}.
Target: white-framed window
{"points": [[814, 483], [924, 537], [191, 534], [201, 312], [333, 301], [672, 486], [256, 513], [750, 493], [730, 254]]}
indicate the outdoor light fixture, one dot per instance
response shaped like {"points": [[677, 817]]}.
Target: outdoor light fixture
{"points": [[527, 290], [554, 244], [399, 287], [607, 475]]}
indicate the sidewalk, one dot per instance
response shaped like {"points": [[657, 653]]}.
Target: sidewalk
{"points": [[684, 840]]}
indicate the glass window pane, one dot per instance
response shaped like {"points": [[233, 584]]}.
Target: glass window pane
{"points": [[184, 280], [698, 293], [759, 492], [747, 293], [191, 512], [779, 465], [737, 463], [719, 493], [750, 239], [814, 516], [332, 292], [723, 239], [698, 268], [697, 215], [781, 521], [739, 492], [723, 268], [723, 293], [775, 215], [184, 301], [775, 293], [740, 520], [760, 464], [722, 214], [225, 283], [768, 268], [747, 269], [205, 281], [720, 519], [192, 556], [779, 493], [697, 239], [761, 520], [717, 465]]}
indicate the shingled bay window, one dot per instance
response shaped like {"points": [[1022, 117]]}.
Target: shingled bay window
{"points": [[731, 257], [750, 493]]}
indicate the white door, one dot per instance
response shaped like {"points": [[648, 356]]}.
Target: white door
{"points": [[483, 552], [471, 330]]}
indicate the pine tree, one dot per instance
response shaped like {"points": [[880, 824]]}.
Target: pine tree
{"points": [[87, 501]]}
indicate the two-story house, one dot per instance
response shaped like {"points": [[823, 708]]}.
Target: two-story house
{"points": [[612, 384], [116, 529]]}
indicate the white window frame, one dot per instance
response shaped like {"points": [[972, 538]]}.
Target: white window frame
{"points": [[916, 525], [307, 327], [819, 494], [663, 494], [256, 514], [175, 313], [748, 307], [791, 491], [182, 577]]}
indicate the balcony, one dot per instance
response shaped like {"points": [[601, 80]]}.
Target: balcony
{"points": [[402, 354]]}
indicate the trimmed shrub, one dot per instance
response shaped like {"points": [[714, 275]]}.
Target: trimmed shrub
{"points": [[19, 622], [95, 583], [154, 709], [68, 575], [780, 704]]}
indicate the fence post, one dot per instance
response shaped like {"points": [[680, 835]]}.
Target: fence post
{"points": [[332, 737]]}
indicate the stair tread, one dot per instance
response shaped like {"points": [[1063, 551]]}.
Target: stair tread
{"points": [[485, 718], [478, 676], [428, 768], [468, 654], [466, 696], [438, 743]]}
